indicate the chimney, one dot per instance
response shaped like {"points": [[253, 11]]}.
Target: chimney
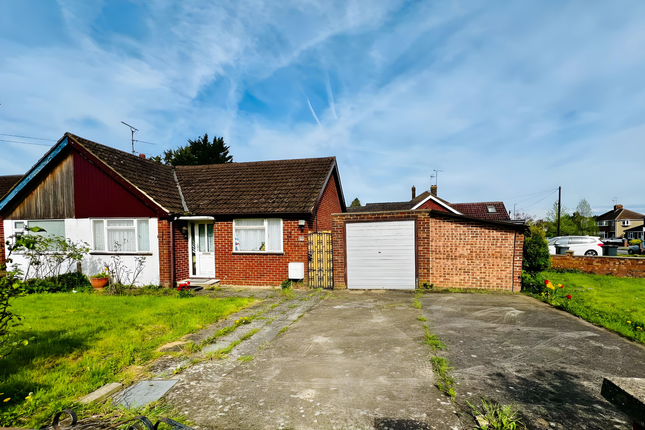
{"points": [[433, 190], [142, 155], [414, 192], [618, 207]]}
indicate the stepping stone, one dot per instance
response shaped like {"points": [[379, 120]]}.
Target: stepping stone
{"points": [[101, 393], [144, 392]]}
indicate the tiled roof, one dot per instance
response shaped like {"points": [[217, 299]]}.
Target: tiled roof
{"points": [[7, 183], [619, 214], [475, 210], [264, 187], [154, 179], [480, 210]]}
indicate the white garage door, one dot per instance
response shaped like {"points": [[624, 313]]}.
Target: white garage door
{"points": [[381, 255]]}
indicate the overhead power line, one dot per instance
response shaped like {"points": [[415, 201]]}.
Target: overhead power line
{"points": [[27, 137], [26, 143]]}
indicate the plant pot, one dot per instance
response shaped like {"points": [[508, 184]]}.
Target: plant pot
{"points": [[99, 283]]}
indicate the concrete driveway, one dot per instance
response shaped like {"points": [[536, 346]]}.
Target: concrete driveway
{"points": [[355, 360], [514, 349]]}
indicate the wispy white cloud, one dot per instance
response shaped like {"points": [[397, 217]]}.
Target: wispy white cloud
{"points": [[506, 99]]}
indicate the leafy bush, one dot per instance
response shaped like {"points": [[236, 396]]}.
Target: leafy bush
{"points": [[536, 256], [635, 242], [65, 283]]}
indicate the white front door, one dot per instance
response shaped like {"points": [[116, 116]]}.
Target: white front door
{"points": [[201, 244]]}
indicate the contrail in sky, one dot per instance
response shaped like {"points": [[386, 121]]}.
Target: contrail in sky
{"points": [[330, 96], [312, 111]]}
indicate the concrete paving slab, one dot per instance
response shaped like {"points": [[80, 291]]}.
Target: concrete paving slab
{"points": [[352, 361], [143, 393], [515, 349]]}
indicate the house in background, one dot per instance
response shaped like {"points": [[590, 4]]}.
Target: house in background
{"points": [[637, 232], [616, 222], [242, 223], [429, 200]]}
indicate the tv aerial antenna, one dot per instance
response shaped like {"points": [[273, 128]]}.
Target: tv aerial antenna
{"points": [[135, 130], [436, 176]]}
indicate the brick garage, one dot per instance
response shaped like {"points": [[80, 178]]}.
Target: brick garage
{"points": [[451, 250], [617, 266]]}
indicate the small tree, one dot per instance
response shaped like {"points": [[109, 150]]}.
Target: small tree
{"points": [[536, 257], [355, 203], [198, 152]]}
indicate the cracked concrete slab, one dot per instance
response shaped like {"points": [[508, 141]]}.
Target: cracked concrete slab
{"points": [[550, 364], [352, 361]]}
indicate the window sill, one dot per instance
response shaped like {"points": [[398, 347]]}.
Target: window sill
{"points": [[258, 253], [121, 253]]}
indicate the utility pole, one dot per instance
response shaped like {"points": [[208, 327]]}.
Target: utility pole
{"points": [[559, 205]]}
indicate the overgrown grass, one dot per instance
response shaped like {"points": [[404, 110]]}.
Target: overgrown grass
{"points": [[83, 341], [614, 303]]}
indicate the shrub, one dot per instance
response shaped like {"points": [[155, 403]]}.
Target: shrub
{"points": [[536, 257], [635, 242], [64, 283]]}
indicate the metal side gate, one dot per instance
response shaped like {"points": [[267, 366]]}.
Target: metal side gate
{"points": [[321, 262]]}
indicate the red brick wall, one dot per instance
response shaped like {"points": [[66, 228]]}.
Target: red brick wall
{"points": [[452, 252], [258, 269], [165, 260], [329, 204], [618, 266], [182, 259], [471, 254], [431, 204]]}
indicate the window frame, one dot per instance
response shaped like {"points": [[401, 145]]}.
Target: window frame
{"points": [[266, 235], [135, 227], [625, 223], [26, 226]]}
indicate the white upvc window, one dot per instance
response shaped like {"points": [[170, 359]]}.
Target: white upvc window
{"points": [[121, 235], [626, 223], [257, 235], [602, 223]]}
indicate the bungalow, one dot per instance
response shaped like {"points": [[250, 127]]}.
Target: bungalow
{"points": [[239, 223]]}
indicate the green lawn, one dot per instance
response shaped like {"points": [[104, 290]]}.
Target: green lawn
{"points": [[83, 341], [615, 303]]}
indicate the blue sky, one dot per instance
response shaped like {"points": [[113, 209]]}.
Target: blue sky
{"points": [[506, 98]]}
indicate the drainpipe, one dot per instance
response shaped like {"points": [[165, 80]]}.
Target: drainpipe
{"points": [[513, 263], [172, 253]]}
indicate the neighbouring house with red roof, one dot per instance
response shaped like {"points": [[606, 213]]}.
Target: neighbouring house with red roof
{"points": [[429, 200], [239, 223]]}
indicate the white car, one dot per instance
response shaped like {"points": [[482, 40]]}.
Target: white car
{"points": [[580, 245]]}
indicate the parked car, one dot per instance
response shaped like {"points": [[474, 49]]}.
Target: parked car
{"points": [[618, 241], [580, 245], [636, 249]]}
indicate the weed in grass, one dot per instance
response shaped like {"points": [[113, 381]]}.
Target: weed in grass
{"points": [[493, 416], [191, 348], [422, 318], [304, 299], [83, 341], [293, 306], [273, 306], [270, 296], [249, 334], [245, 358], [264, 345], [417, 303], [283, 330], [288, 293]]}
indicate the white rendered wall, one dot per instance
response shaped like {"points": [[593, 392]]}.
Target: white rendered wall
{"points": [[81, 230]]}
